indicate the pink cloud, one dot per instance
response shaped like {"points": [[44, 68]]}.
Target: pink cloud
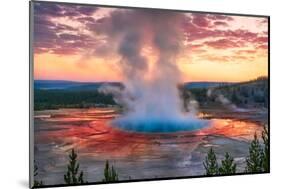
{"points": [[222, 44]]}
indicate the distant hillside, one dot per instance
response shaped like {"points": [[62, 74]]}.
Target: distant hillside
{"points": [[54, 84], [69, 85], [74, 85], [252, 93], [193, 85]]}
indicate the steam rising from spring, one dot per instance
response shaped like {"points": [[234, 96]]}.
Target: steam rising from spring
{"points": [[153, 104], [223, 100]]}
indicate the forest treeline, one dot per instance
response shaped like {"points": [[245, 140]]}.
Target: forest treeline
{"points": [[59, 98], [250, 94], [253, 93]]}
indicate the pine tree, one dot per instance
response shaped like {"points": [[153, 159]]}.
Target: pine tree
{"points": [[36, 183], [110, 175], [211, 164], [72, 176], [265, 149], [228, 166], [255, 159]]}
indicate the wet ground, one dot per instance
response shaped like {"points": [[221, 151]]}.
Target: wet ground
{"points": [[137, 155]]}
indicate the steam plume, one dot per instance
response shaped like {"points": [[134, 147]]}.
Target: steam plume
{"points": [[223, 100], [153, 103]]}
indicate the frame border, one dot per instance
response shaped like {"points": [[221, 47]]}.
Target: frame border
{"points": [[31, 97], [31, 91]]}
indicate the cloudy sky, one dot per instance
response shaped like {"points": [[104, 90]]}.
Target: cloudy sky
{"points": [[81, 43]]}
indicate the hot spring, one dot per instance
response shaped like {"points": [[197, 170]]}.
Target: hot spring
{"points": [[159, 125]]}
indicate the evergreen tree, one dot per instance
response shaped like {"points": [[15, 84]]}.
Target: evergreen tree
{"points": [[72, 176], [211, 164], [255, 159], [266, 149], [110, 175], [234, 98], [228, 166], [36, 183]]}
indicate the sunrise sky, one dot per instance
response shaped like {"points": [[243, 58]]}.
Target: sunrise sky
{"points": [[75, 43]]}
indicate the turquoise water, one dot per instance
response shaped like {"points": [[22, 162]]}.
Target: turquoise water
{"points": [[160, 125]]}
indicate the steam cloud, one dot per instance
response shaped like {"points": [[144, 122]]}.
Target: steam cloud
{"points": [[152, 101], [223, 100]]}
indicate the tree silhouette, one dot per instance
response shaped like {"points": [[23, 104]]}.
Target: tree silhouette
{"points": [[266, 149], [36, 183], [110, 175], [72, 176], [228, 166], [211, 164], [255, 159]]}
